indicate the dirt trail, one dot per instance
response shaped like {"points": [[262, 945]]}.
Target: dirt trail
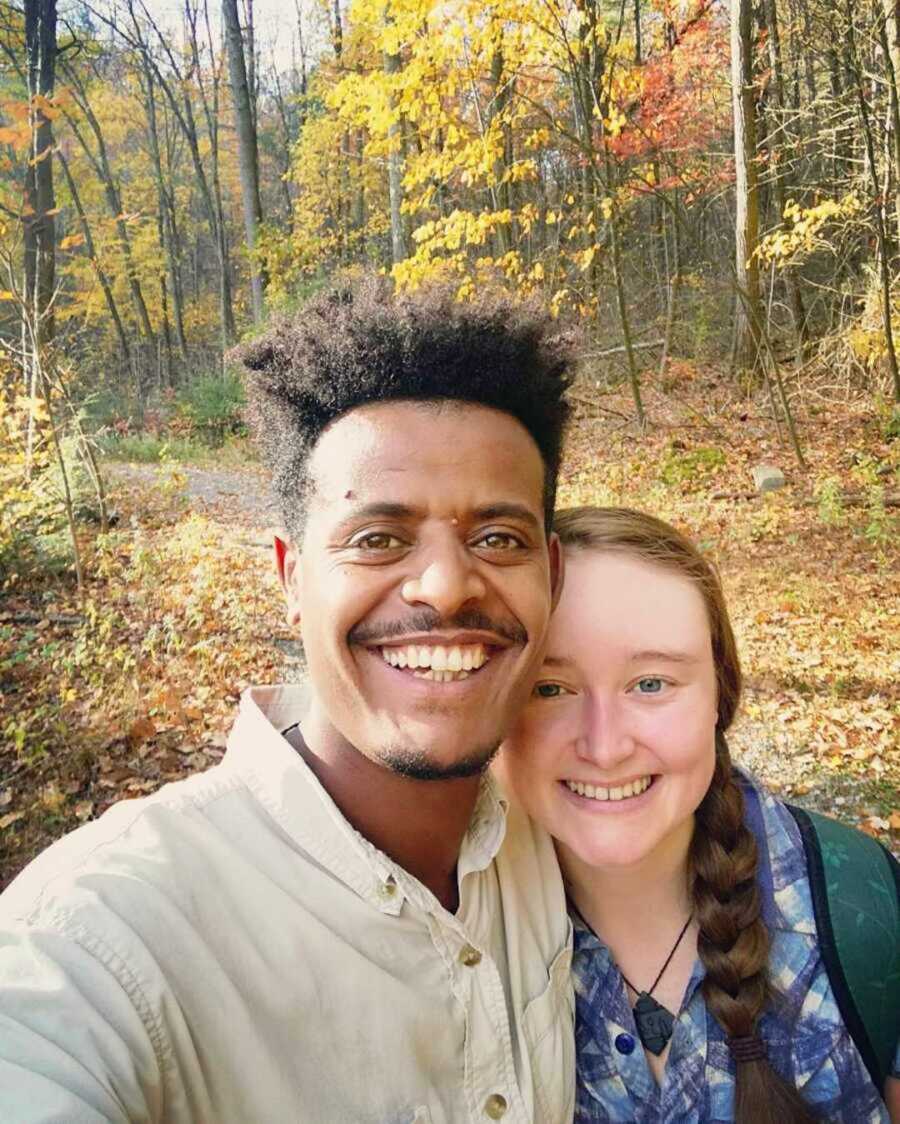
{"points": [[225, 493]]}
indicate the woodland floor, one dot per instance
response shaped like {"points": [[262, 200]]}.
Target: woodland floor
{"points": [[136, 686]]}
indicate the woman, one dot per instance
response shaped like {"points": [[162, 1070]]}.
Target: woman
{"points": [[701, 995]]}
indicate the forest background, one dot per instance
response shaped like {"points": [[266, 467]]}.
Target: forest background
{"points": [[709, 188]]}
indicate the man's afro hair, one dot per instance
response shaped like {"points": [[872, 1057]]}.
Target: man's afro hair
{"points": [[360, 343]]}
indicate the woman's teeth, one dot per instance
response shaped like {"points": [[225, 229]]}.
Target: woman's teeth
{"points": [[438, 663], [597, 792]]}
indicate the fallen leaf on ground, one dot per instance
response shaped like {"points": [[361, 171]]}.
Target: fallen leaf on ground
{"points": [[141, 730]]}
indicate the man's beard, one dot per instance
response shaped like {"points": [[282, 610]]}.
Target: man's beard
{"points": [[417, 766]]}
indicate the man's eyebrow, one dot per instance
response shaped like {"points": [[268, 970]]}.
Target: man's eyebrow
{"points": [[557, 661], [382, 509], [502, 510]]}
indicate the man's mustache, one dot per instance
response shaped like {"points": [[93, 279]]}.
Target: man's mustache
{"points": [[426, 620]]}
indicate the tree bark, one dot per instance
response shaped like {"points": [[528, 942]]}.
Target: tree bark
{"points": [[166, 206], [395, 168], [248, 155], [498, 105], [890, 38], [877, 207], [782, 153], [747, 310], [38, 212], [99, 271]]}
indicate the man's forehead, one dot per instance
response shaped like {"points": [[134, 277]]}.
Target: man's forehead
{"points": [[393, 445]]}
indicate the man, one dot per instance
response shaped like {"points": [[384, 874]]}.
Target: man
{"points": [[339, 923]]}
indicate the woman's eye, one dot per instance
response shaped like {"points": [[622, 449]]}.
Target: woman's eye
{"points": [[649, 685], [549, 691], [377, 540]]}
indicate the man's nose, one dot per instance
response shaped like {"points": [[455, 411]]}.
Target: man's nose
{"points": [[605, 738], [448, 581]]}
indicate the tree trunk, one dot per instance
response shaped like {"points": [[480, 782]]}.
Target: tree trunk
{"points": [[176, 86], [747, 310], [166, 207], [395, 170], [38, 212], [248, 156], [99, 271], [782, 153], [890, 37], [498, 105], [877, 207]]}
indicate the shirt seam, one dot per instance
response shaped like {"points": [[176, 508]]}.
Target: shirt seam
{"points": [[68, 927], [35, 907]]}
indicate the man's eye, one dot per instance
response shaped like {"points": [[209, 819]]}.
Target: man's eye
{"points": [[377, 540], [649, 685], [499, 540], [549, 691]]}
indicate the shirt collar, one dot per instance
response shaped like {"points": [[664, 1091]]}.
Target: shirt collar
{"points": [[285, 785]]}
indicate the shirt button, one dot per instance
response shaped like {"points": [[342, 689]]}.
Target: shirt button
{"points": [[388, 889], [469, 956], [624, 1043], [495, 1106]]}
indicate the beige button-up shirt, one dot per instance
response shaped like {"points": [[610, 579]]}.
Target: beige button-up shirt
{"points": [[230, 949]]}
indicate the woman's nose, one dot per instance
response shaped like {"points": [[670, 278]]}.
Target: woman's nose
{"points": [[605, 739]]}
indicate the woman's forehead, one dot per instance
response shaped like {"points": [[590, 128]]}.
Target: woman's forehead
{"points": [[635, 604]]}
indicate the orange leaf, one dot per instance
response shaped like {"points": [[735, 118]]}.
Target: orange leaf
{"points": [[140, 731]]}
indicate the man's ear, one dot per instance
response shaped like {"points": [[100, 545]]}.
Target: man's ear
{"points": [[287, 563], [557, 567]]}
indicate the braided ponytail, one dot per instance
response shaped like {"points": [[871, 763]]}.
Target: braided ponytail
{"points": [[733, 944], [733, 941]]}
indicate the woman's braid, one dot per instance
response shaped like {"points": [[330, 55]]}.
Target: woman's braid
{"points": [[733, 943]]}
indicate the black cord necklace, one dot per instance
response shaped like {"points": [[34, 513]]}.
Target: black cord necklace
{"points": [[654, 1022]]}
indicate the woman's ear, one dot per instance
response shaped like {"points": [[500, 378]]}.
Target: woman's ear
{"points": [[287, 563]]}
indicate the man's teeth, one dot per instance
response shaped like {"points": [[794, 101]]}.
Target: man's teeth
{"points": [[439, 663], [598, 792]]}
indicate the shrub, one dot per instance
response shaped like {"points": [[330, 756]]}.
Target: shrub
{"points": [[214, 406], [691, 466], [33, 529]]}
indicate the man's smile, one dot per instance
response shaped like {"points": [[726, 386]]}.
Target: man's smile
{"points": [[438, 662], [440, 659]]}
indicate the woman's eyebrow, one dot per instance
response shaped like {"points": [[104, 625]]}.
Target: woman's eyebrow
{"points": [[557, 661], [670, 656]]}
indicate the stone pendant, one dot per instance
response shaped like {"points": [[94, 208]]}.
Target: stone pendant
{"points": [[654, 1023]]}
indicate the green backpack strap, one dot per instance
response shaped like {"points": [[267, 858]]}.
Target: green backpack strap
{"points": [[855, 884]]}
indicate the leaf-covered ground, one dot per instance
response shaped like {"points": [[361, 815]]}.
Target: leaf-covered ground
{"points": [[108, 700]]}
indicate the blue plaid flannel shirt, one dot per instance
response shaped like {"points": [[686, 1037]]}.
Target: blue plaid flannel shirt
{"points": [[806, 1038]]}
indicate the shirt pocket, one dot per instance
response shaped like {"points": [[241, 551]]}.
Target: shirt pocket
{"points": [[548, 1025]]}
